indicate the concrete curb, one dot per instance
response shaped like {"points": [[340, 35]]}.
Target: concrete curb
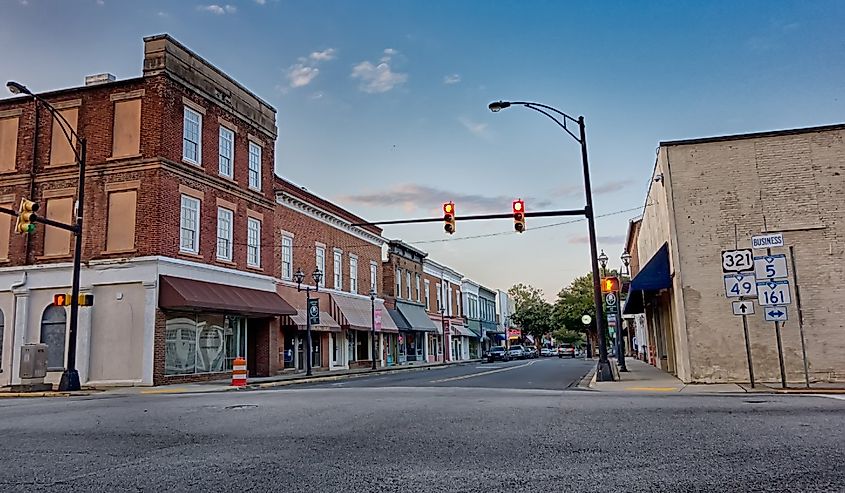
{"points": [[41, 394]]}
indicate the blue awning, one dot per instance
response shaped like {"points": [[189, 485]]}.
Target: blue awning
{"points": [[500, 337], [654, 276]]}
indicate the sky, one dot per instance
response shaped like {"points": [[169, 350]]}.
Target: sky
{"points": [[382, 105]]}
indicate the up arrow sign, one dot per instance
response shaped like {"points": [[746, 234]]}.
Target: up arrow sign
{"points": [[776, 314], [745, 307]]}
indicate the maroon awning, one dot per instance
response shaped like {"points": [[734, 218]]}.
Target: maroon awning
{"points": [[177, 293]]}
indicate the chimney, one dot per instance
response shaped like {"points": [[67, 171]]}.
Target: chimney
{"points": [[93, 80]]}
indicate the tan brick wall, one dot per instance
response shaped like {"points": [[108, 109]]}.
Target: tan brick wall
{"points": [[790, 183]]}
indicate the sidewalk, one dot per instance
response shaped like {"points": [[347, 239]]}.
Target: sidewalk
{"points": [[281, 380], [642, 377]]}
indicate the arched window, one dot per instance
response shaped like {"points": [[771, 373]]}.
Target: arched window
{"points": [[2, 331], [53, 329]]}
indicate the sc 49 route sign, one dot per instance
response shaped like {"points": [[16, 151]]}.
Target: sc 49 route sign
{"points": [[740, 284], [773, 293]]}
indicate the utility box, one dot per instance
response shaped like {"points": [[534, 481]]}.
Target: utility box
{"points": [[33, 363]]}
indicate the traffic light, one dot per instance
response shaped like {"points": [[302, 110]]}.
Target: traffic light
{"points": [[519, 215], [26, 217], [609, 284], [63, 299], [449, 217]]}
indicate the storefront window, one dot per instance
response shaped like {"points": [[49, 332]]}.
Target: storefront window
{"points": [[350, 340], [362, 345], [202, 343]]}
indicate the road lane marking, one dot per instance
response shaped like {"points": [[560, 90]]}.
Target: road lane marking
{"points": [[655, 389], [471, 375], [830, 396]]}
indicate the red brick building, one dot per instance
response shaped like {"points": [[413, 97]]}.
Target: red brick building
{"points": [[179, 225], [313, 233]]}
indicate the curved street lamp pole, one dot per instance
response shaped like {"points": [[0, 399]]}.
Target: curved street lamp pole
{"points": [[70, 376], [299, 277], [603, 371]]}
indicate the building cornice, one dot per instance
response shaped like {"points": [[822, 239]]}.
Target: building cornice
{"points": [[298, 205]]}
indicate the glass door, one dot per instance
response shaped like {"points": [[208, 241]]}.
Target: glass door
{"points": [[234, 330]]}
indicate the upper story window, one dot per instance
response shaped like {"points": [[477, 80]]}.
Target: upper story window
{"points": [[338, 270], [321, 263], [398, 282], [254, 166], [287, 257], [62, 149], [8, 143], [409, 288], [224, 234], [427, 295], [353, 274], [419, 291], [189, 234], [373, 276], [226, 152], [192, 137], [253, 242], [126, 134]]}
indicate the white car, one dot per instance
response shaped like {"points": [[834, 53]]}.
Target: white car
{"points": [[547, 352]]}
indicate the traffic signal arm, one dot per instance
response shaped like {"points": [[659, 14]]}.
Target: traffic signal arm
{"points": [[42, 220]]}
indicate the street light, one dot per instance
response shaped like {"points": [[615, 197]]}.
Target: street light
{"points": [[603, 261], [442, 310], [373, 304], [70, 376], [299, 277], [603, 371], [620, 343], [626, 261]]}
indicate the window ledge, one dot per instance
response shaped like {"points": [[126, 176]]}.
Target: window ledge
{"points": [[57, 166], [254, 268], [118, 158], [9, 171], [191, 255], [124, 251], [56, 256], [228, 263], [192, 163]]}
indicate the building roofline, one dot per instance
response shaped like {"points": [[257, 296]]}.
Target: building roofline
{"points": [[58, 92], [753, 135], [407, 246]]}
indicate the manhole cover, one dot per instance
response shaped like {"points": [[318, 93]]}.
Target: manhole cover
{"points": [[240, 406]]}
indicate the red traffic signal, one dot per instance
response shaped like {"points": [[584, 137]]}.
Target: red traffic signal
{"points": [[519, 215], [609, 284], [449, 217], [64, 299], [61, 299]]}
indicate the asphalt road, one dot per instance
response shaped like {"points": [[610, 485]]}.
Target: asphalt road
{"points": [[420, 435]]}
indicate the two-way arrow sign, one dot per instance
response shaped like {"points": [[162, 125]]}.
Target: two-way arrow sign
{"points": [[745, 307], [776, 314]]}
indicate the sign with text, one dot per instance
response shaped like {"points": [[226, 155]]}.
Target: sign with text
{"points": [[771, 240], [738, 285], [314, 311], [771, 267], [737, 260], [377, 319], [772, 293]]}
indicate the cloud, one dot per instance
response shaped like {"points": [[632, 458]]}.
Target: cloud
{"points": [[412, 197], [451, 79], [260, 2], [24, 2], [613, 239], [378, 78], [101, 2], [317, 95], [322, 56], [162, 14], [478, 129], [217, 9], [578, 189], [611, 186], [301, 75]]}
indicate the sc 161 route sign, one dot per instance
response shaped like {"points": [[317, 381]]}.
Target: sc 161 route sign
{"points": [[776, 314], [773, 293], [737, 260], [771, 267], [745, 307], [738, 285]]}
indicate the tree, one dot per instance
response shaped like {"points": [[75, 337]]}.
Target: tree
{"points": [[568, 336], [532, 313], [575, 301]]}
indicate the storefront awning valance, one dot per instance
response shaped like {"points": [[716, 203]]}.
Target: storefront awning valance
{"points": [[177, 293], [327, 323], [460, 330], [416, 316], [654, 276], [357, 313], [399, 320]]}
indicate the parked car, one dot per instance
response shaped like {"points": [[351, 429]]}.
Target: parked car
{"points": [[567, 350], [517, 352], [498, 353], [530, 352], [546, 351]]}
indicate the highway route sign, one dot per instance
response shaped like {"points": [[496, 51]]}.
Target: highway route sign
{"points": [[776, 314], [737, 260], [771, 240], [744, 307], [740, 284], [771, 267], [773, 293]]}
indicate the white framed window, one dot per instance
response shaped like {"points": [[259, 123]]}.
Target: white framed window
{"points": [[224, 233], [287, 257], [428, 295], [189, 230], [419, 291], [439, 303], [253, 242], [254, 166], [410, 288], [373, 276], [398, 283], [353, 274], [226, 151], [321, 263], [192, 137], [338, 270]]}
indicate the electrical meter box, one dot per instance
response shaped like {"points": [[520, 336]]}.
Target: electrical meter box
{"points": [[33, 363]]}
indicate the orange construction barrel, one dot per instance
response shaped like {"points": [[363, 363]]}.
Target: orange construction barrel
{"points": [[239, 372]]}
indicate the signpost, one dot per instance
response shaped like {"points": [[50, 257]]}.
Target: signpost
{"points": [[773, 293], [314, 311], [776, 314], [767, 241], [740, 284], [611, 299], [737, 260], [744, 307], [771, 267]]}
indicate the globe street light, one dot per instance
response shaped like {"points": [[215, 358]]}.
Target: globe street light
{"points": [[603, 371], [299, 277], [373, 306]]}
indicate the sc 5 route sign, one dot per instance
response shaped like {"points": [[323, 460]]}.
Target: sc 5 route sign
{"points": [[771, 267], [737, 260], [773, 293], [740, 284]]}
